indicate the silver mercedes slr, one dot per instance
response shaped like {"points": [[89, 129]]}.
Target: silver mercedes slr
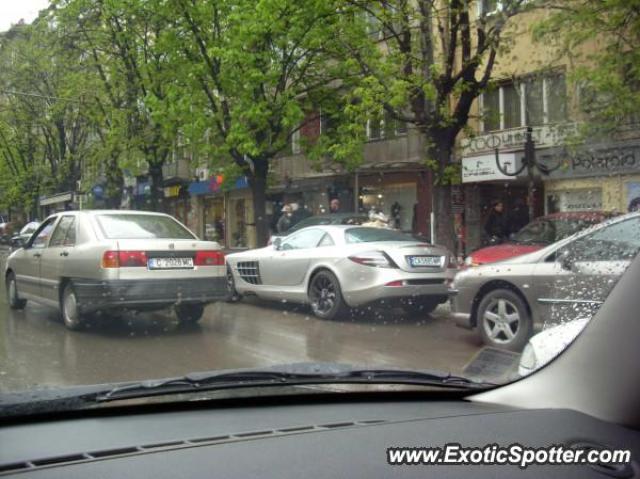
{"points": [[337, 267], [83, 262], [508, 301]]}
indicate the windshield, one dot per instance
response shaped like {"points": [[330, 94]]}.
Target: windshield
{"points": [[548, 231], [229, 184], [370, 235], [129, 226]]}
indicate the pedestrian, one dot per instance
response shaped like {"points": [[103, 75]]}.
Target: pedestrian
{"points": [[334, 206], [299, 213], [495, 225], [284, 223], [519, 217]]}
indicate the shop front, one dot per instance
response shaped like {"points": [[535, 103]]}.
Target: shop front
{"points": [[599, 177], [223, 214], [397, 194], [177, 202], [484, 185]]}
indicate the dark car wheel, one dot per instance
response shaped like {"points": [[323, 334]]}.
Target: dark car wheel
{"points": [[325, 296], [504, 320], [12, 293], [69, 308], [232, 294], [189, 313]]}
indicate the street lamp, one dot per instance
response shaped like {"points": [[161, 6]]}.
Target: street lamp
{"points": [[531, 164]]}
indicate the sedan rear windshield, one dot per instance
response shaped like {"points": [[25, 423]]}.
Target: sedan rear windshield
{"points": [[370, 235], [118, 226]]}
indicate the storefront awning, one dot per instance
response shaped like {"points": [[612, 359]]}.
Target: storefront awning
{"points": [[59, 198], [214, 185]]}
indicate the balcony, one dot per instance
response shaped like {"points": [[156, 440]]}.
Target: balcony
{"points": [[177, 170]]}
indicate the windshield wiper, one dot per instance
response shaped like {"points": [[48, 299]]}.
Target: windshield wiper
{"points": [[292, 375]]}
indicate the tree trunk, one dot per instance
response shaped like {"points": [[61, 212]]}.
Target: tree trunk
{"points": [[115, 183], [444, 228], [258, 184], [157, 186]]}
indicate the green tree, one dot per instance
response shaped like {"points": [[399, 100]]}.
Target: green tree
{"points": [[44, 129], [248, 73], [601, 39], [119, 39], [421, 62]]}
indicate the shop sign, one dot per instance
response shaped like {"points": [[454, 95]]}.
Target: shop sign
{"points": [[575, 200], [172, 191], [596, 161], [514, 138], [484, 168]]}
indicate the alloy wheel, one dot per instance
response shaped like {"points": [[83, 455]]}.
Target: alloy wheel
{"points": [[323, 295], [501, 321]]}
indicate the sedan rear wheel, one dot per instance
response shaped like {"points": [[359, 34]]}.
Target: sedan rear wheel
{"points": [[69, 308], [12, 293], [325, 296], [189, 313], [232, 294], [504, 320]]}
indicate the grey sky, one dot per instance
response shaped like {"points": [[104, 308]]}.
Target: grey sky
{"points": [[11, 11]]}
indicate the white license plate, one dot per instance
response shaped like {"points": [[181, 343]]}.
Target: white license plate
{"points": [[417, 261], [170, 263]]}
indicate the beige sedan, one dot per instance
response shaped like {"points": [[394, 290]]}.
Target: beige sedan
{"points": [[83, 262]]}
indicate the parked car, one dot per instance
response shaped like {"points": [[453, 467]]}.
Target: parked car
{"points": [[507, 301], [546, 345], [20, 239], [84, 261], [329, 219], [536, 235], [335, 267]]}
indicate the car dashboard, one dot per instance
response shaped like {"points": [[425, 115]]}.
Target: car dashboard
{"points": [[317, 438]]}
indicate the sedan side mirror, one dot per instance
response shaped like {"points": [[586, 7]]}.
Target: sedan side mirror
{"points": [[277, 243]]}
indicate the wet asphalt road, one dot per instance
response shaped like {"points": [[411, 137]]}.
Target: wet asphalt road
{"points": [[36, 350]]}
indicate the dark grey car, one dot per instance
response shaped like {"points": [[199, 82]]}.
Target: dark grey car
{"points": [[509, 300]]}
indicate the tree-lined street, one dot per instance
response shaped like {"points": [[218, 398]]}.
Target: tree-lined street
{"points": [[37, 350]]}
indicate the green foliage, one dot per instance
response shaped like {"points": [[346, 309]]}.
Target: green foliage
{"points": [[602, 38]]}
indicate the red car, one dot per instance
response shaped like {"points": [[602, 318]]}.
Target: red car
{"points": [[538, 234]]}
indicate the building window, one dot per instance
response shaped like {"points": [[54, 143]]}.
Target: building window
{"points": [[556, 89], [491, 110], [533, 101], [374, 129], [512, 117]]}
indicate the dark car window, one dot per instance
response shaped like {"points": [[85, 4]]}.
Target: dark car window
{"points": [[617, 242], [369, 235], [550, 230], [115, 226], [43, 234], [312, 221], [61, 233], [304, 239]]}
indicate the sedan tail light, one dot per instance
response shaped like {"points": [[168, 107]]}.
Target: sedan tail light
{"points": [[377, 259], [124, 259], [209, 258]]}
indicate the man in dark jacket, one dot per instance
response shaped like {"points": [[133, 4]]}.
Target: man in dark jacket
{"points": [[495, 225]]}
